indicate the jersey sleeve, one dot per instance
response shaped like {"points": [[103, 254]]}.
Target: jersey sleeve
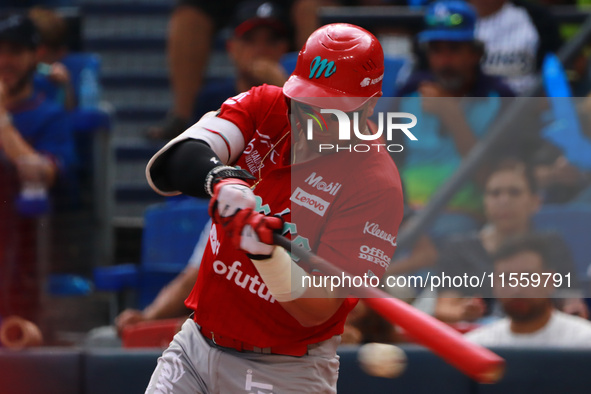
{"points": [[245, 112], [360, 237], [225, 130]]}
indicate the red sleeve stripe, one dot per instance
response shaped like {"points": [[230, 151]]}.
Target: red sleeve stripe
{"points": [[224, 138]]}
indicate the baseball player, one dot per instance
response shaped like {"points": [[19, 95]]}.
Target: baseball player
{"points": [[258, 325]]}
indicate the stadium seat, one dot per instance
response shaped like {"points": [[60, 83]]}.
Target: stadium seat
{"points": [[170, 233], [83, 198], [88, 118], [68, 285], [574, 224]]}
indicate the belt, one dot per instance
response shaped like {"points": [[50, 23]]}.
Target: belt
{"points": [[296, 350]]}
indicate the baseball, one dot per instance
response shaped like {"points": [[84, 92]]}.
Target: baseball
{"points": [[380, 359]]}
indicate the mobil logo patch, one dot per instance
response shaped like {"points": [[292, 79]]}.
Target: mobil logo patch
{"points": [[310, 201], [317, 181]]}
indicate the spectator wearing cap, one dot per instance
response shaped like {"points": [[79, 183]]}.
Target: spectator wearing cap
{"points": [[192, 27], [517, 36], [451, 120], [532, 320], [260, 38], [453, 55], [36, 149]]}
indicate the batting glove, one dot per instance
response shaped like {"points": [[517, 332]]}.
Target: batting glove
{"points": [[230, 196], [252, 232]]}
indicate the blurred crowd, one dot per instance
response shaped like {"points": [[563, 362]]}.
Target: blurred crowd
{"points": [[462, 69]]}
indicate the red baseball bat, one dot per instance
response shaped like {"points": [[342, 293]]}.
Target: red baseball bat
{"points": [[474, 360]]}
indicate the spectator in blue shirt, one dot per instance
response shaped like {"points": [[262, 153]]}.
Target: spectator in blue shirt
{"points": [[53, 78], [455, 103], [450, 125], [36, 151]]}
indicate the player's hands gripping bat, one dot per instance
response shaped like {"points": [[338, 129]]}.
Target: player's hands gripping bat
{"points": [[252, 232], [230, 196], [232, 205], [475, 361]]}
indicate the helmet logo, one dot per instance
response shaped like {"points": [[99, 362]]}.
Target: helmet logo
{"points": [[319, 65], [368, 81]]}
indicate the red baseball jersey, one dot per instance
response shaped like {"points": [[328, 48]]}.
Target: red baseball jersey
{"points": [[345, 207]]}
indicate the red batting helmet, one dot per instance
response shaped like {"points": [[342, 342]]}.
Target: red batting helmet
{"points": [[338, 60]]}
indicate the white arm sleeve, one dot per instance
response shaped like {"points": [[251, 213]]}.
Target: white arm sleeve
{"points": [[223, 136]]}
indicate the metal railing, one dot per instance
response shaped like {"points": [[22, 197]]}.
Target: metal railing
{"points": [[373, 16], [476, 157]]}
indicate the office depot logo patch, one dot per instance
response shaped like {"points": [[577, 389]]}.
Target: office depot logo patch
{"points": [[374, 255], [310, 201]]}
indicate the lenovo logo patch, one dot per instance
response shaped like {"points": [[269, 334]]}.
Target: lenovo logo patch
{"points": [[310, 201]]}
